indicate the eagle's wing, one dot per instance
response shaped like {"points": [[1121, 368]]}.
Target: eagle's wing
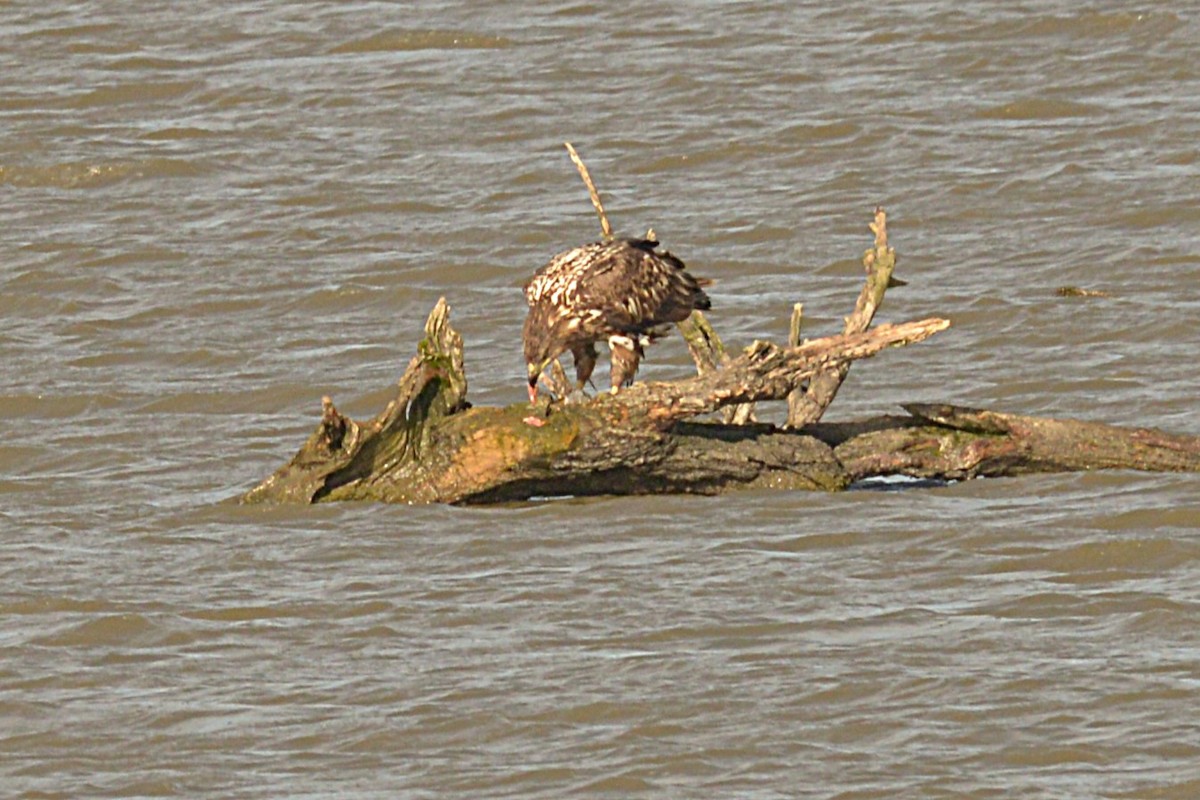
{"points": [[560, 279], [635, 288]]}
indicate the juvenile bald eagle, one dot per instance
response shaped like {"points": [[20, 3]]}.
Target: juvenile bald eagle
{"points": [[620, 291]]}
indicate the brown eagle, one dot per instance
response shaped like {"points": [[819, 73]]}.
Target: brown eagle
{"points": [[621, 291]]}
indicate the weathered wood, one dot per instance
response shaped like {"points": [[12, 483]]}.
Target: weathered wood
{"points": [[708, 353], [808, 404], [948, 442], [396, 445], [795, 326], [766, 372]]}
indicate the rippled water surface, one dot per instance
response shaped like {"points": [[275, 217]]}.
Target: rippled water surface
{"points": [[213, 213]]}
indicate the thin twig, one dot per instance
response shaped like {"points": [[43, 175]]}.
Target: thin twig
{"points": [[797, 399], [591, 187]]}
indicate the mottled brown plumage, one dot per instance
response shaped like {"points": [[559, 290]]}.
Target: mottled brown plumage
{"points": [[621, 291]]}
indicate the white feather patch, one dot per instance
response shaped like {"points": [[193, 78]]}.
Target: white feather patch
{"points": [[620, 341]]}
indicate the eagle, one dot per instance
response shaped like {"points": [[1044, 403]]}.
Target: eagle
{"points": [[624, 291]]}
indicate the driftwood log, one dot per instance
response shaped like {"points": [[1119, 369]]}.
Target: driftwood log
{"points": [[430, 446]]}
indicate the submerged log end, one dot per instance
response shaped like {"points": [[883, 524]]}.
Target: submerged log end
{"points": [[904, 446], [328, 449], [954, 442]]}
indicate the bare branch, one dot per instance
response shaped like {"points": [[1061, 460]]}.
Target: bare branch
{"points": [[605, 227], [809, 406], [766, 372]]}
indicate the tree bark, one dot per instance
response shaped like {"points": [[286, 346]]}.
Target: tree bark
{"points": [[950, 442]]}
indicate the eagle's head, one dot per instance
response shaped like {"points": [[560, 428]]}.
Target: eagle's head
{"points": [[541, 347], [535, 371]]}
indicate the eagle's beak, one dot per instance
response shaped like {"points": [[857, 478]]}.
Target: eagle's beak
{"points": [[533, 390]]}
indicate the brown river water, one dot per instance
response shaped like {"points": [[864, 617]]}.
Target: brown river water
{"points": [[213, 213]]}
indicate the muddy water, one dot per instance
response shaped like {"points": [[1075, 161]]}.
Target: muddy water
{"points": [[211, 214]]}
